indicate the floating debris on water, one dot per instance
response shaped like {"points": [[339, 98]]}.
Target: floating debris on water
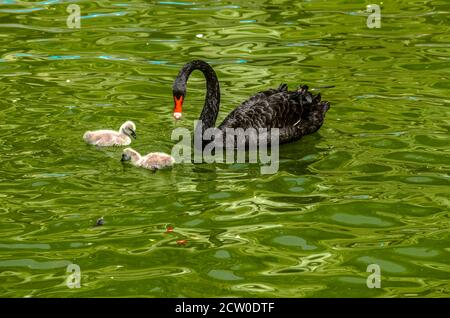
{"points": [[100, 222], [169, 229]]}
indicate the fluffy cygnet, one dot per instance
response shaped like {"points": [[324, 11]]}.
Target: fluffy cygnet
{"points": [[152, 161], [104, 138]]}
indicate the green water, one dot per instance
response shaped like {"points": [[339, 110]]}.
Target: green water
{"points": [[371, 187]]}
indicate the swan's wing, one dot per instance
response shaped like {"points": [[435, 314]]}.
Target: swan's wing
{"points": [[296, 113], [255, 99], [157, 160], [268, 109], [105, 138]]}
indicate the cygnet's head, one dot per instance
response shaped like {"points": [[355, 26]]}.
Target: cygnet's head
{"points": [[129, 129], [130, 154]]}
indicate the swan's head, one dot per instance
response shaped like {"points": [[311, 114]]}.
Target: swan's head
{"points": [[179, 91], [129, 129], [130, 154], [179, 86]]}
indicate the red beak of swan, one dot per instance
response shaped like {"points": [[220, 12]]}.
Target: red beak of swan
{"points": [[178, 107]]}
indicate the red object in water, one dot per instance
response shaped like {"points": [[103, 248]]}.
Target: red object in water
{"points": [[169, 229], [181, 242]]}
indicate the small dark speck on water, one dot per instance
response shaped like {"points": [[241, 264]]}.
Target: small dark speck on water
{"points": [[99, 222]]}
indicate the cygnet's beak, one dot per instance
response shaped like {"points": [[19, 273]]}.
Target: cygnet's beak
{"points": [[124, 157], [133, 134]]}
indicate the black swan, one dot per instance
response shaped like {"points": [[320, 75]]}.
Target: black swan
{"points": [[296, 113]]}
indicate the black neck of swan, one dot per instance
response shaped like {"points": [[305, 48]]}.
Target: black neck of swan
{"points": [[212, 98]]}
